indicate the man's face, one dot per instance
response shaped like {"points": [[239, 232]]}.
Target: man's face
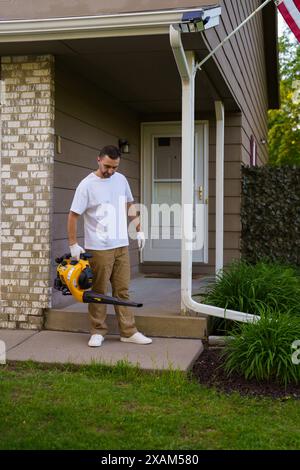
{"points": [[108, 166]]}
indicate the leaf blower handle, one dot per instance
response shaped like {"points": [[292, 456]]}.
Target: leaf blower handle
{"points": [[76, 251]]}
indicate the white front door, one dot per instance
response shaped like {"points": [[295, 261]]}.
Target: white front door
{"points": [[161, 189]]}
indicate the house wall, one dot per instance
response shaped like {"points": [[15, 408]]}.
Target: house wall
{"points": [[241, 60], [86, 119], [27, 157], [242, 63]]}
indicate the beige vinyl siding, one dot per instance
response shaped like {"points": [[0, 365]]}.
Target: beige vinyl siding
{"points": [[56, 8], [242, 63], [86, 120]]}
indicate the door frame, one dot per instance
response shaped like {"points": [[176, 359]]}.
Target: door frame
{"points": [[161, 125]]}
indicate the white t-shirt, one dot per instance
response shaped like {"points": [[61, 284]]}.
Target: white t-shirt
{"points": [[103, 203]]}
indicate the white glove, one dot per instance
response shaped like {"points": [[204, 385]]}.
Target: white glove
{"points": [[140, 236], [76, 250]]}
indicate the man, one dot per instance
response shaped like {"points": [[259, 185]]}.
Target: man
{"points": [[103, 197]]}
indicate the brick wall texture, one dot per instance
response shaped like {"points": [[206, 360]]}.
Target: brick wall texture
{"points": [[27, 160]]}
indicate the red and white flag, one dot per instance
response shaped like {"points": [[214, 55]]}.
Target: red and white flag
{"points": [[290, 10]]}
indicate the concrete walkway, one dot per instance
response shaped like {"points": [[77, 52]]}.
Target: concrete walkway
{"points": [[63, 347]]}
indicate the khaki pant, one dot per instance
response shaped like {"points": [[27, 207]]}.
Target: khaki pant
{"points": [[111, 265]]}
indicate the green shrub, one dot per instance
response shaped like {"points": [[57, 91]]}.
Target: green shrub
{"points": [[263, 350], [270, 214], [245, 287]]}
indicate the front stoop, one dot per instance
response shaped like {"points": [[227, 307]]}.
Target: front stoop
{"points": [[167, 326]]}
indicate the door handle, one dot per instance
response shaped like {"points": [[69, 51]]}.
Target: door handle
{"points": [[200, 193]]}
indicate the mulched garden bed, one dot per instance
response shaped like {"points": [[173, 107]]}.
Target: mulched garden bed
{"points": [[208, 371]]}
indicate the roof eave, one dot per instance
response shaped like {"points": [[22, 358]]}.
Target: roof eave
{"points": [[125, 24]]}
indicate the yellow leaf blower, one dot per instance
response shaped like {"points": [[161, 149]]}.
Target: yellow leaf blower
{"points": [[76, 277]]}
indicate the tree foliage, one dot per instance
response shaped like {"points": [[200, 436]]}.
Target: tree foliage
{"points": [[284, 123]]}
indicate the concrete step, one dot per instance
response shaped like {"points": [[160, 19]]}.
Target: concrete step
{"points": [[167, 326]]}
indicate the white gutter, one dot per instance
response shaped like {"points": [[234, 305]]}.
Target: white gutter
{"points": [[220, 118], [187, 69], [124, 24]]}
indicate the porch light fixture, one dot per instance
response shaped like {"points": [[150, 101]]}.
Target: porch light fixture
{"points": [[58, 144], [124, 146]]}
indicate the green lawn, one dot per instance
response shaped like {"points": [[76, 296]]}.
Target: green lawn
{"points": [[97, 407]]}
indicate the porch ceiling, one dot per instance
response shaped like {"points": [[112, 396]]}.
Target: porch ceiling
{"points": [[139, 72]]}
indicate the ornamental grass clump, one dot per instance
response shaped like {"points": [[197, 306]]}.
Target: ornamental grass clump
{"points": [[245, 287], [264, 350]]}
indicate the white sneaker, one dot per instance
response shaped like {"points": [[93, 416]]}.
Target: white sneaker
{"points": [[137, 338], [96, 341]]}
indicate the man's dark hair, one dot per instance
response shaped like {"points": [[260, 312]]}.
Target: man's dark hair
{"points": [[110, 151]]}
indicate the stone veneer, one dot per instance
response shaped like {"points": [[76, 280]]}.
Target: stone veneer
{"points": [[27, 160]]}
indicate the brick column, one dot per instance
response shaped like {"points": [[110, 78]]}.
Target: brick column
{"points": [[27, 160]]}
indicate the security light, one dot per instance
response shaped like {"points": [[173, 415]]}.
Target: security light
{"points": [[194, 21]]}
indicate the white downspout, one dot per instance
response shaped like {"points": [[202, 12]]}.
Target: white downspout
{"points": [[186, 65], [220, 118]]}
